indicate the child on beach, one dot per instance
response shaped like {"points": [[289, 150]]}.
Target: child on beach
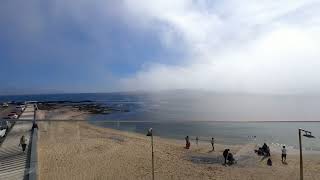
{"points": [[23, 143], [284, 154], [212, 144]]}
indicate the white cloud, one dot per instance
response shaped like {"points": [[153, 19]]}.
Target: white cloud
{"points": [[249, 46]]}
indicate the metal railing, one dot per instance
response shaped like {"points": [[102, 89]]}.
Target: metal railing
{"points": [[33, 170]]}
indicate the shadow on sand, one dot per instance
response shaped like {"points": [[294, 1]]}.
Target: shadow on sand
{"points": [[264, 157], [207, 160]]}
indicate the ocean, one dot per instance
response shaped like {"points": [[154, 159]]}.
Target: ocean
{"points": [[229, 118]]}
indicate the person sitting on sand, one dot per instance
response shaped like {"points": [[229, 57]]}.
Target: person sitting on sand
{"points": [[212, 144], [225, 155], [230, 158], [23, 143], [187, 142], [269, 162], [284, 154]]}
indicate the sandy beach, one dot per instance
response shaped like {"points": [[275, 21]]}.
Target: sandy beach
{"points": [[78, 150]]}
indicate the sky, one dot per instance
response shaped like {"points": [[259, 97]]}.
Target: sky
{"points": [[250, 46]]}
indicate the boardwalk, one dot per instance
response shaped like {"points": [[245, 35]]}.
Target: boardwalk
{"points": [[13, 162]]}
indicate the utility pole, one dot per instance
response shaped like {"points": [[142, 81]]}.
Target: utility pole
{"points": [[301, 163], [308, 135], [152, 156]]}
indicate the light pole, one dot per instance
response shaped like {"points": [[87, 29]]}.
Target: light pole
{"points": [[151, 134], [308, 135]]}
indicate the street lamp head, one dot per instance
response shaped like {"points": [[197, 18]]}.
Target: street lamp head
{"points": [[308, 134]]}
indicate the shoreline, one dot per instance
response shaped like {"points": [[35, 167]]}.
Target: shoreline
{"points": [[220, 139], [80, 150], [66, 113]]}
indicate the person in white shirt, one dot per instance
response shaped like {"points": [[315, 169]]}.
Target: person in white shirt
{"points": [[284, 154]]}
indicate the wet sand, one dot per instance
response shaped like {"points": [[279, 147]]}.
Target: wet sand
{"points": [[78, 150]]}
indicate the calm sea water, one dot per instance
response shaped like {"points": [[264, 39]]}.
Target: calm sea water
{"points": [[273, 133], [180, 113]]}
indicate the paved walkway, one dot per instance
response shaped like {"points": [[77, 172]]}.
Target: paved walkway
{"points": [[13, 162]]}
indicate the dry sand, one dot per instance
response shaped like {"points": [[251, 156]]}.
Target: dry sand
{"points": [[78, 150]]}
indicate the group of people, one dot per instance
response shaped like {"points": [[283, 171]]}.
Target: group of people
{"points": [[265, 151], [197, 140], [228, 156]]}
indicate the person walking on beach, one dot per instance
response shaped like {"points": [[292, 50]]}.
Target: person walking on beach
{"points": [[284, 154], [23, 143], [212, 143], [197, 139], [187, 142]]}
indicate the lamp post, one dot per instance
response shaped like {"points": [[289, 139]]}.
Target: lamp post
{"points": [[151, 134], [308, 135]]}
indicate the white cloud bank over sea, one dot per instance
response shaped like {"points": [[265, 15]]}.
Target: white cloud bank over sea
{"points": [[247, 46]]}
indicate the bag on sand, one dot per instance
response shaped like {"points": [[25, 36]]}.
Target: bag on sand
{"points": [[269, 162]]}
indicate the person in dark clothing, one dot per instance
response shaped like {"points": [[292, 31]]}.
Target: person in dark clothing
{"points": [[212, 144], [225, 155], [187, 142], [265, 150], [268, 152], [34, 126], [269, 162], [197, 139], [264, 147], [230, 158]]}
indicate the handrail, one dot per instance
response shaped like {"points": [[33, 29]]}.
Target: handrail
{"points": [[33, 171]]}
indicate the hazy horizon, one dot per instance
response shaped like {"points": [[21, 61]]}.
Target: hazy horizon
{"points": [[155, 92], [195, 105]]}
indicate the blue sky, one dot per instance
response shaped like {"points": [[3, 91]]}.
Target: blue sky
{"points": [[123, 45], [41, 50]]}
